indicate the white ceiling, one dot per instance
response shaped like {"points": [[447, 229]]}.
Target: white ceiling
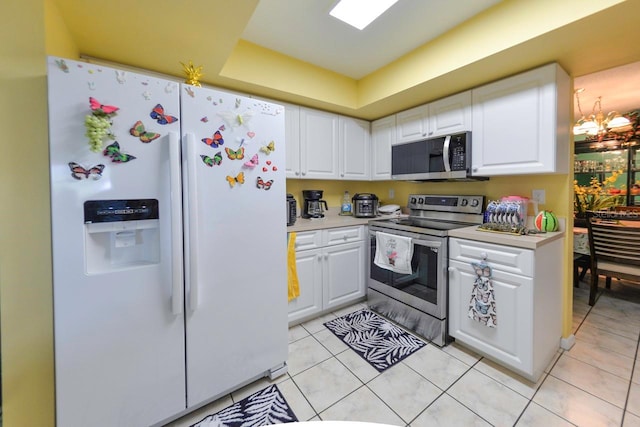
{"points": [[619, 88], [303, 29]]}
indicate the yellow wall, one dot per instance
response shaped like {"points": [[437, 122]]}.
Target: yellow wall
{"points": [[25, 245]]}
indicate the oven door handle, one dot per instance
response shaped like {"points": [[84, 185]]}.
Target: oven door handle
{"points": [[420, 242]]}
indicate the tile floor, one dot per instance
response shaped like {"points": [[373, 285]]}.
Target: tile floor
{"points": [[596, 383]]}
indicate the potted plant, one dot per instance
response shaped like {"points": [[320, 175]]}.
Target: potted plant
{"points": [[595, 196]]}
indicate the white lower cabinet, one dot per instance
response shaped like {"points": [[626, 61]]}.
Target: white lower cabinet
{"points": [[331, 270], [527, 287]]}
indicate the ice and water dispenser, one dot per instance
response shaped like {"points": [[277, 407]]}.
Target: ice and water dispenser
{"points": [[121, 234]]}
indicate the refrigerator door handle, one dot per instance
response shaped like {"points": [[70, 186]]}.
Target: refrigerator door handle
{"points": [[192, 191], [175, 188]]}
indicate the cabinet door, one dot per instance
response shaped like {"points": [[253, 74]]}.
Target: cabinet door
{"points": [[521, 124], [413, 124], [319, 135], [309, 268], [355, 148], [511, 341], [450, 115], [292, 140], [383, 134], [344, 273]]}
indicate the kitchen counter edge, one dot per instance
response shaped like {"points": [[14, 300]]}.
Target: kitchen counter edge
{"points": [[331, 220], [531, 241]]}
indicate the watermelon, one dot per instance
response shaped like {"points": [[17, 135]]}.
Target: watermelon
{"points": [[546, 221]]}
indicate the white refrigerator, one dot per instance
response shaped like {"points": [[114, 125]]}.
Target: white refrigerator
{"points": [[168, 210]]}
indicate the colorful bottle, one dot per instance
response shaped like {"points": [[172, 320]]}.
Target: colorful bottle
{"points": [[345, 208]]}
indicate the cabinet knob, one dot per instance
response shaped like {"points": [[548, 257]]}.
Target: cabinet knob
{"points": [[475, 169], [297, 173], [451, 269], [304, 173], [345, 237], [484, 256], [430, 133], [342, 174]]}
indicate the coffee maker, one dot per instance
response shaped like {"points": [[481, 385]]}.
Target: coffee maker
{"points": [[312, 205]]}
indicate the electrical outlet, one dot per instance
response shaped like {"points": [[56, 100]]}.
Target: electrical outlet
{"points": [[538, 196], [392, 194]]}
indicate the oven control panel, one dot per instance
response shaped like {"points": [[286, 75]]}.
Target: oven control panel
{"points": [[446, 203]]}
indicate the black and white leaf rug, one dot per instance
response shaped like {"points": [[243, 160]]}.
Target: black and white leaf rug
{"points": [[375, 339], [264, 407]]}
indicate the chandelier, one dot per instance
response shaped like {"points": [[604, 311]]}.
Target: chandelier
{"points": [[597, 123]]}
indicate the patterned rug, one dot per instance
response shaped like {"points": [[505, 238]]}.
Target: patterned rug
{"points": [[375, 339], [264, 407]]}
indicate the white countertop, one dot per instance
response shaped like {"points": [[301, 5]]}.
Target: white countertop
{"points": [[530, 241], [331, 219]]}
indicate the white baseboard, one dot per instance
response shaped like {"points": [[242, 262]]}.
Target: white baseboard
{"points": [[568, 342]]}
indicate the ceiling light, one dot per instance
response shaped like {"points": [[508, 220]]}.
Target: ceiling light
{"points": [[360, 13], [597, 123]]}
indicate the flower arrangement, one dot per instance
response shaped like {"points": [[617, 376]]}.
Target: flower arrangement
{"points": [[597, 195]]}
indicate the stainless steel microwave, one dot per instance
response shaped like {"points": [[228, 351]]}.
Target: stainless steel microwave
{"points": [[442, 158]]}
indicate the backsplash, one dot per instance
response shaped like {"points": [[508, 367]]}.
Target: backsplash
{"points": [[557, 188]]}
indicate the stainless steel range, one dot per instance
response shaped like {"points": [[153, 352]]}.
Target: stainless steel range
{"points": [[417, 299]]}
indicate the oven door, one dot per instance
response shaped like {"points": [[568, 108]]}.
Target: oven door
{"points": [[426, 287]]}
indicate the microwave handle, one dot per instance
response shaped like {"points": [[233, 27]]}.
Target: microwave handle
{"points": [[445, 153]]}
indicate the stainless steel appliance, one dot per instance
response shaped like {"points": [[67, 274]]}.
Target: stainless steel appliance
{"points": [[441, 158], [291, 210], [312, 205], [365, 205], [418, 301]]}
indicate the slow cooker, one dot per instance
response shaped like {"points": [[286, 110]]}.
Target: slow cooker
{"points": [[365, 205]]}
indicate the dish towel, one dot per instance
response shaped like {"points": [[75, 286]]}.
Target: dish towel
{"points": [[393, 252], [482, 306], [292, 276]]}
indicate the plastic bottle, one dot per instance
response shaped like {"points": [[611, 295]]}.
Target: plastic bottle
{"points": [[345, 208]]}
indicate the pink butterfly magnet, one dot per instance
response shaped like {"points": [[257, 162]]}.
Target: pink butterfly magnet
{"points": [[253, 162]]}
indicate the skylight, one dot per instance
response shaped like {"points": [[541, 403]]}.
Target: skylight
{"points": [[360, 13]]}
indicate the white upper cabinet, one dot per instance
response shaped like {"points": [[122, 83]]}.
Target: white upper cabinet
{"points": [[450, 115], [292, 140], [444, 116], [319, 136], [412, 125], [354, 143], [383, 135], [521, 124]]}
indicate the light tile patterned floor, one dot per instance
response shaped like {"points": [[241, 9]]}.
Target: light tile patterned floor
{"points": [[596, 383]]}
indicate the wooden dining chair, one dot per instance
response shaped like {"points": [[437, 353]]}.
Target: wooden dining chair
{"points": [[614, 242]]}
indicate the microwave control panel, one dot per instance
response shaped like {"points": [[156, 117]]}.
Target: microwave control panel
{"points": [[457, 151]]}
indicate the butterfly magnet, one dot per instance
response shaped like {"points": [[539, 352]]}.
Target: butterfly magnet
{"points": [[97, 107], [234, 119], [252, 162], [159, 115], [215, 141], [269, 148], [235, 154], [211, 161], [79, 172], [235, 179], [117, 156], [262, 184], [139, 131]]}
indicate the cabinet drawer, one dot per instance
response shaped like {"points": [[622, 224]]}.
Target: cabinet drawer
{"points": [[308, 240], [498, 257], [336, 236]]}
